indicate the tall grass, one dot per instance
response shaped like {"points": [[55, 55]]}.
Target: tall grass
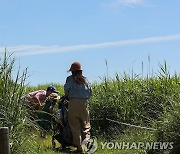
{"points": [[13, 114], [152, 102], [133, 99]]}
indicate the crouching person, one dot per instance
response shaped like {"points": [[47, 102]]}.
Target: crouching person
{"points": [[35, 100], [78, 90], [45, 115]]}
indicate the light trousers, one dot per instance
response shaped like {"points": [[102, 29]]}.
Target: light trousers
{"points": [[79, 121]]}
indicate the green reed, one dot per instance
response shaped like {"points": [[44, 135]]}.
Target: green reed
{"points": [[13, 114]]}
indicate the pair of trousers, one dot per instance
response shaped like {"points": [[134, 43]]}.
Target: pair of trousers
{"points": [[79, 121]]}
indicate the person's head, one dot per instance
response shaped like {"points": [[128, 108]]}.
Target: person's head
{"points": [[51, 89], [75, 66], [53, 98], [76, 71]]}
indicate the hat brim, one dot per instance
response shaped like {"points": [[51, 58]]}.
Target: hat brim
{"points": [[76, 70], [55, 91]]}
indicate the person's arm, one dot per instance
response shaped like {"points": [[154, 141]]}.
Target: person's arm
{"points": [[53, 102], [67, 86], [89, 86], [66, 93], [37, 101], [51, 109]]}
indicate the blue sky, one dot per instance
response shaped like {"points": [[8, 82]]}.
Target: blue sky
{"points": [[47, 36]]}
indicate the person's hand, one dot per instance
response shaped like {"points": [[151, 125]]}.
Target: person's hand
{"points": [[51, 109], [41, 106]]}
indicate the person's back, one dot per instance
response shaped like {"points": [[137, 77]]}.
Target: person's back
{"points": [[36, 98], [78, 90]]}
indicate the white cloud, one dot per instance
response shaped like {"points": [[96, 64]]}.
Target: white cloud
{"points": [[26, 50], [129, 3]]}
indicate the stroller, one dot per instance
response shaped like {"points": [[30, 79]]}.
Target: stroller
{"points": [[60, 125]]}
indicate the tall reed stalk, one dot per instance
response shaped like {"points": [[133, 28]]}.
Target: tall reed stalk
{"points": [[13, 114], [135, 100]]}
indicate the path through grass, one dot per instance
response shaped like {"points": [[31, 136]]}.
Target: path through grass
{"points": [[133, 135]]}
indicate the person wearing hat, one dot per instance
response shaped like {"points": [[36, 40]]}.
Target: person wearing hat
{"points": [[34, 100], [45, 117], [78, 90]]}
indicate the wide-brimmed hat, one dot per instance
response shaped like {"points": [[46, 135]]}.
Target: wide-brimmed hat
{"points": [[75, 66]]}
